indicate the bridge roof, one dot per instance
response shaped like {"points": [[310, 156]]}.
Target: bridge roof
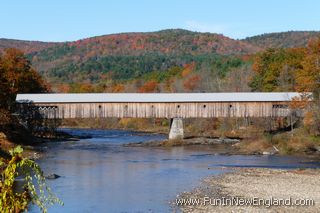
{"points": [[155, 97]]}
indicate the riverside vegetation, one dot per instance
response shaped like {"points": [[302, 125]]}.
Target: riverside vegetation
{"points": [[15, 198], [17, 76]]}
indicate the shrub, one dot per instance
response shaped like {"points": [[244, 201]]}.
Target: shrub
{"points": [[37, 192]]}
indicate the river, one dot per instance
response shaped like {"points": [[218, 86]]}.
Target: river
{"points": [[101, 175]]}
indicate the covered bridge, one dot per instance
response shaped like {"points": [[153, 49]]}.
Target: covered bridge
{"points": [[158, 105]]}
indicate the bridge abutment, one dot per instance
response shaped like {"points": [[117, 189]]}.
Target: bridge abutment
{"points": [[176, 129]]}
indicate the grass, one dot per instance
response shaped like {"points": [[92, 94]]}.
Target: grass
{"points": [[288, 143], [297, 141], [254, 145]]}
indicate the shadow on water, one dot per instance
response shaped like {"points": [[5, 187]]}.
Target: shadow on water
{"points": [[101, 175]]}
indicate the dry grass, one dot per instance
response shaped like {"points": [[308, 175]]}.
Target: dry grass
{"points": [[253, 146], [298, 141]]}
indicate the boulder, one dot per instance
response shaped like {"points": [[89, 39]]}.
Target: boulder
{"points": [[52, 176]]}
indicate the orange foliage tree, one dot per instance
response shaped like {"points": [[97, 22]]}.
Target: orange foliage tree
{"points": [[149, 86], [64, 88], [192, 83], [86, 87], [275, 68], [187, 69], [17, 76], [308, 78], [118, 88]]}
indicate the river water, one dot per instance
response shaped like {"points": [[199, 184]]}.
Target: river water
{"points": [[101, 175]]}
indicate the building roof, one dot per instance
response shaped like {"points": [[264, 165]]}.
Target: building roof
{"points": [[155, 97]]}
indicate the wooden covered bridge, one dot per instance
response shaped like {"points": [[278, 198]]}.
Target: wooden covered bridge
{"points": [[158, 105]]}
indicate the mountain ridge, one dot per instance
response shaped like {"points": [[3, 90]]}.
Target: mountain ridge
{"points": [[255, 43], [248, 38], [130, 55]]}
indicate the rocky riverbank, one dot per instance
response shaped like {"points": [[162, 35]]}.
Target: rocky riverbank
{"points": [[186, 142], [266, 184], [30, 143]]}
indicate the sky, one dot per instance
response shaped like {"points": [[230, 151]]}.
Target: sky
{"points": [[69, 20]]}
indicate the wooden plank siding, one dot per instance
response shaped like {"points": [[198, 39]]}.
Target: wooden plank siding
{"points": [[163, 110]]}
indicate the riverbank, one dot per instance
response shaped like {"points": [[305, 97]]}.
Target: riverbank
{"points": [[251, 139], [30, 143], [257, 183], [191, 141], [231, 146]]}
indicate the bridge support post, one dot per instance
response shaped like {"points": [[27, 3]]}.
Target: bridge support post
{"points": [[176, 129]]}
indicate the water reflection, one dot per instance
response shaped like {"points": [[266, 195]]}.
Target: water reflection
{"points": [[100, 175]]}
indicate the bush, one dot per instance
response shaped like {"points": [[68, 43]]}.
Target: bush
{"points": [[38, 193]]}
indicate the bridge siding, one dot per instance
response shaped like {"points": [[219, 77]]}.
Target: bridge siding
{"points": [[164, 110]]}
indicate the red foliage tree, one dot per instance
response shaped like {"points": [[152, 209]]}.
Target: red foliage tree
{"points": [[17, 76], [150, 86], [192, 83]]}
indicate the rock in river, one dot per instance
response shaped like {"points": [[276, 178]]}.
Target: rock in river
{"points": [[52, 176]]}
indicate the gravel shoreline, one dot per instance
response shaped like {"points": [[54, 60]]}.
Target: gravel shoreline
{"points": [[259, 183]]}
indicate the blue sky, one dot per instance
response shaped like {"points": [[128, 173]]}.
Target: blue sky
{"points": [[65, 20]]}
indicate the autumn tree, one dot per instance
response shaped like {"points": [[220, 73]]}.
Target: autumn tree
{"points": [[308, 77], [149, 86], [295, 69], [64, 88], [187, 69], [116, 88], [308, 80], [275, 69], [4, 87], [192, 83], [237, 79], [17, 76]]}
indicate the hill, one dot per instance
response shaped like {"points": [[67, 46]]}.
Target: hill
{"points": [[283, 39], [25, 46], [127, 56]]}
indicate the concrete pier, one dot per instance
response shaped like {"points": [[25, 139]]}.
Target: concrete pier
{"points": [[176, 129]]}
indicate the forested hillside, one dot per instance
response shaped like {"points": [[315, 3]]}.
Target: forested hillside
{"points": [[289, 39], [165, 61], [25, 46], [130, 55]]}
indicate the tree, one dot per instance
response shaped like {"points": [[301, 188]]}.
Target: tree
{"points": [[192, 83], [308, 78], [118, 88], [34, 191], [237, 79], [17, 76], [4, 87], [149, 86], [64, 88], [275, 69], [187, 69]]}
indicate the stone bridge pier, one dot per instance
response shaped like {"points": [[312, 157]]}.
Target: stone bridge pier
{"points": [[176, 129]]}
